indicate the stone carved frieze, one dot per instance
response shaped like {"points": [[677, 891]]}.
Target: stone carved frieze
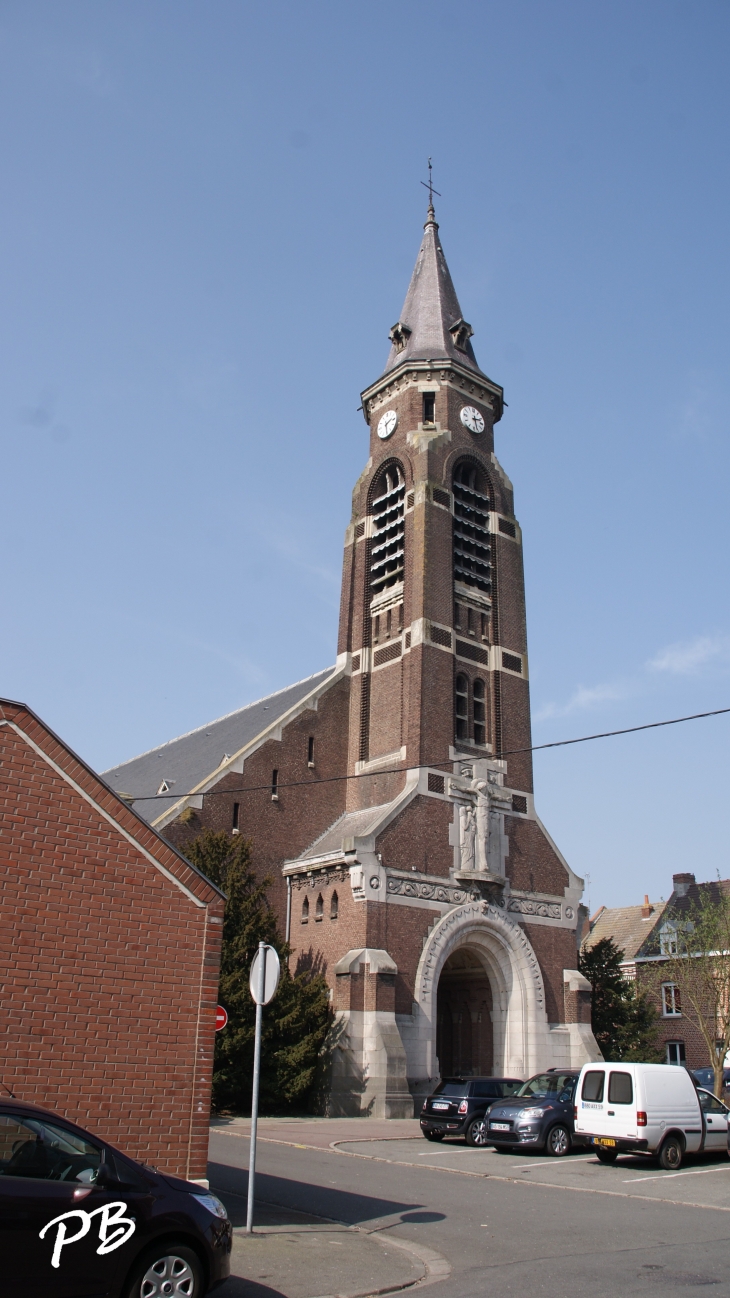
{"points": [[429, 891], [320, 878], [527, 906]]}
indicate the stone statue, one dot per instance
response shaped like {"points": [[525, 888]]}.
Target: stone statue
{"points": [[467, 824], [482, 824]]}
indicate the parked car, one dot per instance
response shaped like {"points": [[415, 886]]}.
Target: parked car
{"points": [[648, 1109], [459, 1107], [79, 1217], [538, 1116], [705, 1077]]}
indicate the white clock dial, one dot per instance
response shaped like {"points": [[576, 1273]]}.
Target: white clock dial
{"points": [[387, 424], [472, 419]]}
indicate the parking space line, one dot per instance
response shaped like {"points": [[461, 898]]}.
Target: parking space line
{"points": [[666, 1176]]}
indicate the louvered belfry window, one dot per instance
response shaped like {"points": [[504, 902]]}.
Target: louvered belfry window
{"points": [[388, 513], [472, 548]]}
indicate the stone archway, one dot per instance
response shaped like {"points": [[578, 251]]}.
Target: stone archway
{"points": [[519, 1022]]}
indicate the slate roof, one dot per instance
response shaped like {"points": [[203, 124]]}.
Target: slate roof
{"points": [[431, 309], [352, 824], [625, 925], [183, 763]]}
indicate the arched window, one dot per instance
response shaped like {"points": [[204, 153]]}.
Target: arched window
{"points": [[462, 707], [480, 715], [472, 546], [334, 906], [305, 911], [388, 513], [319, 909]]}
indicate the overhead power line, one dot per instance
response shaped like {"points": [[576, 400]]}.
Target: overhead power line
{"points": [[401, 770]]}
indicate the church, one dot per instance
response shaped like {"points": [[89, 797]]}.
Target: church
{"points": [[390, 796]]}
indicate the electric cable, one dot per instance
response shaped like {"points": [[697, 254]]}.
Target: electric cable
{"points": [[401, 770]]}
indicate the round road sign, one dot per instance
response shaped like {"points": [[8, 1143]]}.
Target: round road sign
{"points": [[272, 971], [221, 1018]]}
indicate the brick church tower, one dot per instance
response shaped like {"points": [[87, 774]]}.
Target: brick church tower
{"points": [[400, 819]]}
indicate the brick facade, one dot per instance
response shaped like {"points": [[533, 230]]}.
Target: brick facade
{"points": [[109, 957]]}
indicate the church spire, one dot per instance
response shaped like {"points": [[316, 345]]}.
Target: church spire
{"points": [[431, 325]]}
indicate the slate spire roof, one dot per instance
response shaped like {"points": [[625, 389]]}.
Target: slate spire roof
{"points": [[431, 326]]}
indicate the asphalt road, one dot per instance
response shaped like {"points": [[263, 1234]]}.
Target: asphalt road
{"points": [[563, 1228]]}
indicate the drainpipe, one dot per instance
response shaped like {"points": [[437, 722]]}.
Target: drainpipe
{"points": [[288, 909]]}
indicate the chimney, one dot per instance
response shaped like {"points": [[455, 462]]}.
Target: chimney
{"points": [[682, 883], [646, 909]]}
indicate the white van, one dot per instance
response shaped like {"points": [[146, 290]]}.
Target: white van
{"points": [[647, 1109]]}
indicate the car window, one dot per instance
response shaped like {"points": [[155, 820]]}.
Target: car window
{"points": [[487, 1090], [555, 1084], [35, 1148], [593, 1083], [710, 1103], [510, 1087], [452, 1086], [620, 1088]]}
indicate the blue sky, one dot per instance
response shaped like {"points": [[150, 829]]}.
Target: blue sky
{"points": [[209, 217]]}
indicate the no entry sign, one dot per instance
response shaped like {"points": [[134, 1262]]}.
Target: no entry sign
{"points": [[221, 1018]]}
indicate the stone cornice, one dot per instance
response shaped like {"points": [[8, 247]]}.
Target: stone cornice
{"points": [[446, 371]]}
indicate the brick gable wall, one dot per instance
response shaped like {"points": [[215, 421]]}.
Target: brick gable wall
{"points": [[109, 970]]}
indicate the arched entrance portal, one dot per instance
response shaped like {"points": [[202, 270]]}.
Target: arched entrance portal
{"points": [[464, 1040]]}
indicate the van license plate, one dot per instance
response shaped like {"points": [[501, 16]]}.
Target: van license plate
{"points": [[603, 1140]]}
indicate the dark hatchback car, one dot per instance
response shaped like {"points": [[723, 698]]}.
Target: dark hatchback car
{"points": [[459, 1107], [538, 1116], [78, 1219]]}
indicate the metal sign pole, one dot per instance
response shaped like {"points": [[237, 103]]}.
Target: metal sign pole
{"points": [[255, 1092]]}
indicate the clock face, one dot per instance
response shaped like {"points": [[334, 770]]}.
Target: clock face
{"points": [[472, 419], [387, 424]]}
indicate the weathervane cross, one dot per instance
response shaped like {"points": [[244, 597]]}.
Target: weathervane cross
{"points": [[428, 184]]}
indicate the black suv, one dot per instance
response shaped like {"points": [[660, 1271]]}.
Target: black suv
{"points": [[538, 1116], [459, 1107], [77, 1217]]}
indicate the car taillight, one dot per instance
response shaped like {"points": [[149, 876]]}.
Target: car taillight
{"points": [[575, 1113], [464, 1106], [640, 1119]]}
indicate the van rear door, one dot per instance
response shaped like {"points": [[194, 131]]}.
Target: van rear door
{"points": [[590, 1103], [621, 1103]]}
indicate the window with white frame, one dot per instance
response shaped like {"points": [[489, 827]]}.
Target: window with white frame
{"points": [[671, 1004], [668, 939]]}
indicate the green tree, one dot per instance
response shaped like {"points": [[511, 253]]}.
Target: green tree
{"points": [[295, 1022], [624, 1020]]}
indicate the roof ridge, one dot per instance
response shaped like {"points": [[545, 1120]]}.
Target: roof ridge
{"points": [[197, 729]]}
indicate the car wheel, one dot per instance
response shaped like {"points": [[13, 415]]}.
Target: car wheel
{"points": [[558, 1141], [477, 1133], [434, 1135], [168, 1271], [670, 1154], [606, 1155]]}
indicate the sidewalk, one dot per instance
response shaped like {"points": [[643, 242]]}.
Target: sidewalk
{"points": [[294, 1255], [319, 1133]]}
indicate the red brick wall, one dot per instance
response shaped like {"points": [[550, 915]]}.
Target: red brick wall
{"points": [[532, 865], [418, 838], [556, 950], [281, 830], [109, 971]]}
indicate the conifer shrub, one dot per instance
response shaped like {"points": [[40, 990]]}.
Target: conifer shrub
{"points": [[295, 1022]]}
